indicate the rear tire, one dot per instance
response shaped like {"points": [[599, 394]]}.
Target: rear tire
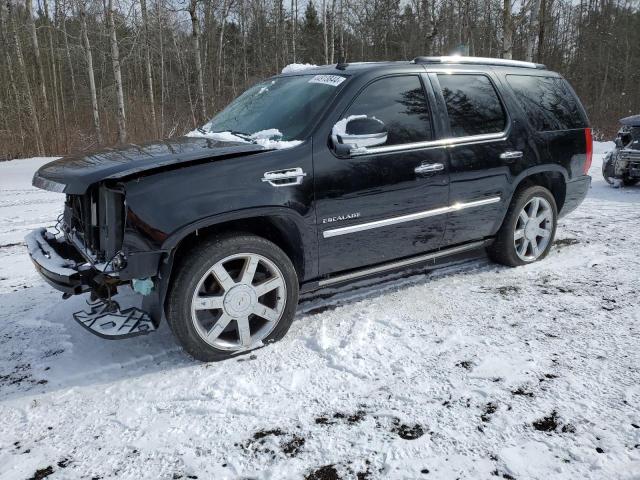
{"points": [[230, 295], [528, 229]]}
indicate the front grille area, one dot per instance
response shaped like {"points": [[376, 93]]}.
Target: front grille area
{"points": [[629, 155], [96, 221]]}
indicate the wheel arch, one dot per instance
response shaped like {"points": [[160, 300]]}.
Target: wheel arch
{"points": [[286, 228], [552, 177]]}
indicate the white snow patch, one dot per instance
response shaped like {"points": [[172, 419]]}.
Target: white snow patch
{"points": [[297, 67], [340, 128], [263, 138]]}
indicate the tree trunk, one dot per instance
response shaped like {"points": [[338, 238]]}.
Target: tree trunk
{"points": [[22, 71], [54, 76], [541, 32], [147, 54], [294, 26], [36, 52], [195, 37], [507, 30], [115, 62], [68, 55], [533, 30], [161, 42], [333, 31], [92, 82], [325, 32]]}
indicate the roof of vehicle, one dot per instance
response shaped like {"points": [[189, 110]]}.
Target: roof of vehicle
{"points": [[632, 121], [433, 62]]}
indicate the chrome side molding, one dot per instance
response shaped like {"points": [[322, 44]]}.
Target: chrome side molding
{"points": [[402, 263], [334, 232], [443, 143]]}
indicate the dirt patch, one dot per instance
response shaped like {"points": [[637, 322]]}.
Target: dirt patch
{"points": [[293, 446], [521, 391], [21, 374], [42, 473], [289, 444], [489, 409], [350, 418], [508, 290], [547, 424], [407, 432], [565, 242], [328, 472], [9, 245], [466, 364]]}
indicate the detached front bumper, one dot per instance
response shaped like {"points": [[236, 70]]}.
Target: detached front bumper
{"points": [[59, 263], [65, 269]]}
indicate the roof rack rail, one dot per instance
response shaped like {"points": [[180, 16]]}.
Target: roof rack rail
{"points": [[478, 61]]}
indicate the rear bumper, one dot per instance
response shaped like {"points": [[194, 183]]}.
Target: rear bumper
{"points": [[59, 263], [577, 190]]}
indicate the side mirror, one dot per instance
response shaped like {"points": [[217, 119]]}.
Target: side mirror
{"points": [[358, 131]]}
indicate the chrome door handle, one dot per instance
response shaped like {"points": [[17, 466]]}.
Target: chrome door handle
{"points": [[284, 178], [429, 168], [512, 155]]}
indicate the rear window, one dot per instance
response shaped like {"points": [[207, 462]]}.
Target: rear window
{"points": [[548, 102], [472, 104]]}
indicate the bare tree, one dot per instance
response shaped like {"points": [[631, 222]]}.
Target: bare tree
{"points": [[115, 62], [30, 104], [147, 55], [195, 38], [36, 51], [89, 59]]}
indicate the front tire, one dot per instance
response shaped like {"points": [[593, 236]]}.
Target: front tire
{"points": [[232, 294], [528, 230]]}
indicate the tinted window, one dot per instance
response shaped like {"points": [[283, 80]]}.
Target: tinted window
{"points": [[472, 104], [401, 104], [548, 102]]}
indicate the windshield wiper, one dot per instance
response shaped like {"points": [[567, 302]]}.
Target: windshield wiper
{"points": [[235, 133]]}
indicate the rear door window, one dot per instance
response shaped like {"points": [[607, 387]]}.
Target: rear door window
{"points": [[473, 105], [400, 103], [548, 102]]}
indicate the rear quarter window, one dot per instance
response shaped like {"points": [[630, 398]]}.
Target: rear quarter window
{"points": [[473, 105], [548, 102]]}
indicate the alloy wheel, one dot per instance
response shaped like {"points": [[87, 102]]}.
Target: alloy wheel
{"points": [[238, 302], [533, 229]]}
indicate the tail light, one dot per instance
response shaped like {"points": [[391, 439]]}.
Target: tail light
{"points": [[589, 141]]}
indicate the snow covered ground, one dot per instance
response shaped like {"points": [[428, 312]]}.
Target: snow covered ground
{"points": [[476, 372]]}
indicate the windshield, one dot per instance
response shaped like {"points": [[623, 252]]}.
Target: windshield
{"points": [[283, 107]]}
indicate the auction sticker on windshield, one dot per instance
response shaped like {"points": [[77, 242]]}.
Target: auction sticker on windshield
{"points": [[333, 80]]}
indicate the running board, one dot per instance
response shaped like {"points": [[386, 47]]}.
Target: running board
{"points": [[105, 319], [403, 263]]}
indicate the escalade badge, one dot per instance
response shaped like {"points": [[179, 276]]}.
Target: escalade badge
{"points": [[340, 218]]}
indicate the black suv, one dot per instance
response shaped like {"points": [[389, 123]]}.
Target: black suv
{"points": [[310, 180]]}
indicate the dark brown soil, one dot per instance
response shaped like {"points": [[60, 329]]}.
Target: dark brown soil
{"points": [[328, 472]]}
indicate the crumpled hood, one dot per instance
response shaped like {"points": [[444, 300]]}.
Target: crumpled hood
{"points": [[74, 174]]}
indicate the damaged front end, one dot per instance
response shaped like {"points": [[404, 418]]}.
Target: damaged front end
{"points": [[85, 253], [622, 165]]}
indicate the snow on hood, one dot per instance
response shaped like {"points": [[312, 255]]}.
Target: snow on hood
{"points": [[264, 138], [297, 67]]}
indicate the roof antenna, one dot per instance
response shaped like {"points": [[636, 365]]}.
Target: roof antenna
{"points": [[341, 65]]}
